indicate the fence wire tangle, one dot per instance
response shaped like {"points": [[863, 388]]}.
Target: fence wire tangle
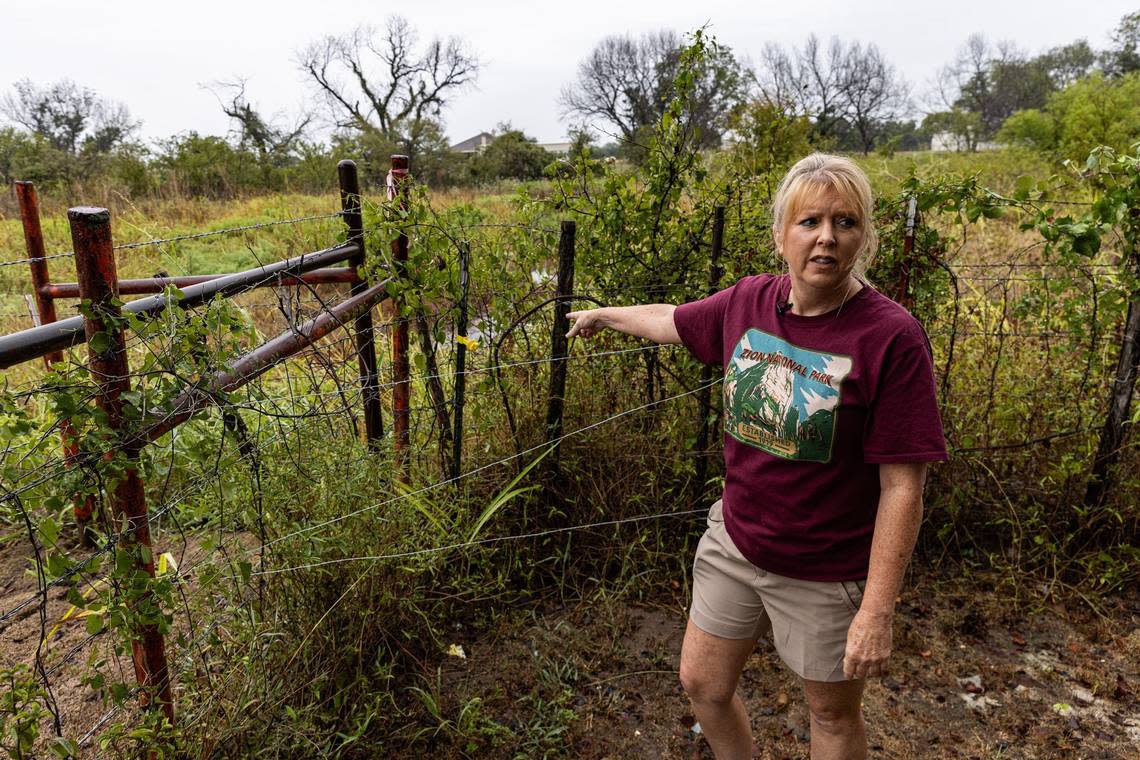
{"points": [[309, 407], [182, 238]]}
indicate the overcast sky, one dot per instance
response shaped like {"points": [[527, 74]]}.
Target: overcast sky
{"points": [[155, 57]]}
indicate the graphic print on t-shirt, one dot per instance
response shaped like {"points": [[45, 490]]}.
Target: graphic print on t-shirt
{"points": [[782, 398]]}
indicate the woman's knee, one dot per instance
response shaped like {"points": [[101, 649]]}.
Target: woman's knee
{"points": [[835, 708], [704, 687], [836, 718]]}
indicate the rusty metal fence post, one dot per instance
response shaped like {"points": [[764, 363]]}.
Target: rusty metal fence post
{"points": [[902, 294], [350, 203], [704, 398], [401, 370], [82, 506], [98, 283], [461, 358]]}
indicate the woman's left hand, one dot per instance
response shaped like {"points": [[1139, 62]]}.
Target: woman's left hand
{"points": [[868, 645]]}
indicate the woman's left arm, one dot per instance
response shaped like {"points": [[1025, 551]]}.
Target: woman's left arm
{"points": [[896, 530]]}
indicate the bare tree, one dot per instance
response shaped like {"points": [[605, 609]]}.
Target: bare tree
{"points": [[272, 142], [778, 78], [870, 92], [628, 83], [821, 82], [840, 87], [71, 118], [379, 81]]}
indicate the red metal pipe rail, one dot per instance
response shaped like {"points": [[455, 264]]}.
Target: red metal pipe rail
{"points": [[95, 268], [83, 507], [34, 240], [260, 360], [149, 285], [98, 284], [902, 292], [37, 341]]}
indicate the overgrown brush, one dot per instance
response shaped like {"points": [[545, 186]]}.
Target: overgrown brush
{"points": [[316, 590]]}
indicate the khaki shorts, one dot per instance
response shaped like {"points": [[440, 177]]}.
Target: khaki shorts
{"points": [[734, 599]]}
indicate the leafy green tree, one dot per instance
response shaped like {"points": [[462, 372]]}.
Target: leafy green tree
{"points": [[207, 166], [965, 126], [993, 82], [765, 137], [512, 155], [70, 117], [1031, 128], [1068, 63], [1124, 55], [73, 130], [1097, 110], [25, 156]]}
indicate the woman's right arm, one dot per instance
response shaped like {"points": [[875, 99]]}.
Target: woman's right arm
{"points": [[651, 321]]}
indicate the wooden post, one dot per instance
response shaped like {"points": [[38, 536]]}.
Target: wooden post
{"points": [[556, 399], [401, 371], [704, 397], [461, 359], [365, 344], [98, 283], [82, 506]]}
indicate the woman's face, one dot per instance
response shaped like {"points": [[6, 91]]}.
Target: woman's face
{"points": [[821, 241]]}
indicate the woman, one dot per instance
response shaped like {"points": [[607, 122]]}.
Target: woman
{"points": [[830, 421]]}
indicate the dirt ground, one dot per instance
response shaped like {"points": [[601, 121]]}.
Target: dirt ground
{"points": [[974, 675], [67, 649]]}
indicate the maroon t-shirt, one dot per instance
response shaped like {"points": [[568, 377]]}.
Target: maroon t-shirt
{"points": [[812, 406]]}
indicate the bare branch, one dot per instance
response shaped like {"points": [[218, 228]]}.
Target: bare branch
{"points": [[379, 81]]}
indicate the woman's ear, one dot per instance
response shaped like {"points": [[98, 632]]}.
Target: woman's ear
{"points": [[778, 236]]}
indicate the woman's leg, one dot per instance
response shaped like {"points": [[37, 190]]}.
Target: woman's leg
{"points": [[837, 729], [710, 669]]}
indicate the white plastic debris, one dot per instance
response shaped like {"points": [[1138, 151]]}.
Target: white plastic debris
{"points": [[971, 683], [979, 702]]}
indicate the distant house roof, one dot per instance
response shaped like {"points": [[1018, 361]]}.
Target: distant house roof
{"points": [[557, 148], [474, 144]]}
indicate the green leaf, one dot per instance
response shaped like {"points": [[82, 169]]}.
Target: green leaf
{"points": [[1023, 187], [57, 564], [49, 531], [506, 494], [94, 624], [100, 342], [64, 747], [119, 692]]}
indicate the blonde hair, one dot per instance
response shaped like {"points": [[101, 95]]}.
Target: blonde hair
{"points": [[824, 171]]}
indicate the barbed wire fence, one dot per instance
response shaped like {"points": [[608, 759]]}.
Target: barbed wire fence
{"points": [[313, 397]]}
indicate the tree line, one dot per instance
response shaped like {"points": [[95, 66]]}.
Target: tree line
{"points": [[381, 90]]}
